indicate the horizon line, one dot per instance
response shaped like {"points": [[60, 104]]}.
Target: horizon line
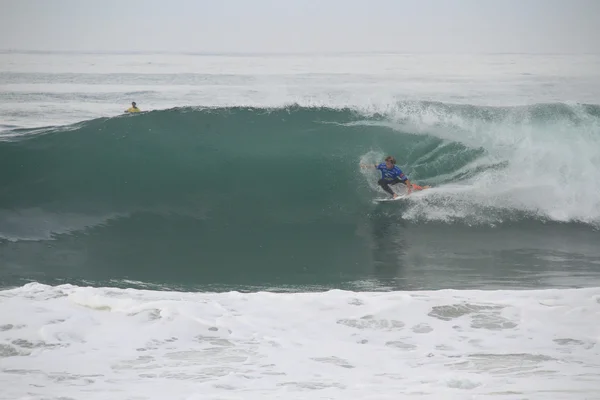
{"points": [[276, 53]]}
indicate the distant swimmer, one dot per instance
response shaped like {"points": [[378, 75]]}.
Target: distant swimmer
{"points": [[391, 174], [133, 108]]}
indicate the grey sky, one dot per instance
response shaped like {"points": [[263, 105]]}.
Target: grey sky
{"points": [[537, 26]]}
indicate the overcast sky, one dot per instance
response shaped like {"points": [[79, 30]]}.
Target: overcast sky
{"points": [[538, 26]]}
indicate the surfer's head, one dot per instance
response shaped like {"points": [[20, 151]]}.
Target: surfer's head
{"points": [[133, 103], [390, 161]]}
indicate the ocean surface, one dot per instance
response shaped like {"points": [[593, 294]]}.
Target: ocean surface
{"points": [[224, 243]]}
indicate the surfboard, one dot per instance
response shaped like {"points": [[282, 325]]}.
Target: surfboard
{"points": [[399, 197]]}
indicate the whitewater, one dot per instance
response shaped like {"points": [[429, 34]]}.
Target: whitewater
{"points": [[68, 342], [132, 266]]}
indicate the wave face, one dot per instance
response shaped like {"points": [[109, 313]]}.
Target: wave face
{"points": [[223, 186]]}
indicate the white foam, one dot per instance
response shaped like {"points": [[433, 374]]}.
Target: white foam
{"points": [[550, 170], [75, 342]]}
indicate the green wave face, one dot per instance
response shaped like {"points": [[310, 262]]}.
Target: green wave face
{"points": [[241, 190]]}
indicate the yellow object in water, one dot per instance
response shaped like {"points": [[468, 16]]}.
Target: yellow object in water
{"points": [[133, 110]]}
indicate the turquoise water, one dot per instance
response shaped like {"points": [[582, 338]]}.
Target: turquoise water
{"points": [[252, 198]]}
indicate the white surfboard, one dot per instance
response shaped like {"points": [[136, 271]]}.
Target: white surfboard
{"points": [[399, 197]]}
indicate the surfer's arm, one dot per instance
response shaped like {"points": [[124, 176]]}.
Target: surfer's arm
{"points": [[408, 185]]}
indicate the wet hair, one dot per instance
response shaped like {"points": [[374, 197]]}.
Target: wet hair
{"points": [[391, 159], [133, 103]]}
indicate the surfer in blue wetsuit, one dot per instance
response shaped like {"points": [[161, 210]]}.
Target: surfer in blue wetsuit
{"points": [[391, 174]]}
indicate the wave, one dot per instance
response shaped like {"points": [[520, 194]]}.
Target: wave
{"points": [[291, 161], [222, 186], [485, 162]]}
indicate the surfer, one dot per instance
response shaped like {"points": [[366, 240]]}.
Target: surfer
{"points": [[133, 108], [391, 174]]}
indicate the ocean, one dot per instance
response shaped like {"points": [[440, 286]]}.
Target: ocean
{"points": [[224, 243]]}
